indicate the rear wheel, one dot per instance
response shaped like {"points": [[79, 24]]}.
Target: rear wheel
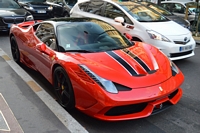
{"points": [[15, 50], [63, 88]]}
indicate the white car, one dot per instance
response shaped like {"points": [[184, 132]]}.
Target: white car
{"points": [[179, 8], [141, 23]]}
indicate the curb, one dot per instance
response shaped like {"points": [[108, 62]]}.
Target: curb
{"points": [[67, 120]]}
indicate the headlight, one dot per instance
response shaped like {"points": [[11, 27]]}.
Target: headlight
{"points": [[29, 17], [104, 83], [157, 36], [28, 7], [50, 8], [174, 68]]}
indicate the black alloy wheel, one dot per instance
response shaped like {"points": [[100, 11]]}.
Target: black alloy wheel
{"points": [[15, 50], [63, 89]]}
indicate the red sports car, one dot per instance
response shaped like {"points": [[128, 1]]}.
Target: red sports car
{"points": [[96, 69]]}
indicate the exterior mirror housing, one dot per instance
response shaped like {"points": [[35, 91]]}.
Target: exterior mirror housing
{"points": [[41, 47], [120, 20]]}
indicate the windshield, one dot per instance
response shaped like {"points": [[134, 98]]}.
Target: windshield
{"points": [[143, 13], [90, 37], [9, 4], [32, 0], [71, 2]]}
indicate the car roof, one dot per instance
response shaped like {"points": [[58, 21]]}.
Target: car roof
{"points": [[64, 20], [181, 2]]}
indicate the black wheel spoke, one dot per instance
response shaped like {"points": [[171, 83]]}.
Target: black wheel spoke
{"points": [[66, 94]]}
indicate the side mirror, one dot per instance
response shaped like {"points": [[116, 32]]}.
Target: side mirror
{"points": [[128, 36], [120, 20], [61, 4], [41, 47]]}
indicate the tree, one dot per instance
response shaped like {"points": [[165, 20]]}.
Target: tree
{"points": [[159, 1]]}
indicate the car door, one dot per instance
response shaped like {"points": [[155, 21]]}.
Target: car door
{"points": [[111, 11], [178, 9], [44, 60], [107, 12]]}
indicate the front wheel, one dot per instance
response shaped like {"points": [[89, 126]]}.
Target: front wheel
{"points": [[63, 88], [15, 50]]}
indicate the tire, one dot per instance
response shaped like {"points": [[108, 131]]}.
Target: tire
{"points": [[63, 89], [15, 50]]}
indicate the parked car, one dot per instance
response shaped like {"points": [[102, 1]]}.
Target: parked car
{"points": [[179, 8], [61, 7], [38, 8], [142, 23], [96, 69], [12, 13], [169, 15]]}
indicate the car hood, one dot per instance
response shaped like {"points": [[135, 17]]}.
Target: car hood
{"points": [[35, 4], [179, 20], [13, 12], [128, 67], [168, 28]]}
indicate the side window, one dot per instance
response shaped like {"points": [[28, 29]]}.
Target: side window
{"points": [[166, 6], [45, 32], [94, 7], [83, 6], [51, 0], [70, 2], [178, 8], [59, 1], [111, 11]]}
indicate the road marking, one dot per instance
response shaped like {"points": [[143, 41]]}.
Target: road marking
{"points": [[67, 120], [34, 86], [3, 123], [8, 122]]}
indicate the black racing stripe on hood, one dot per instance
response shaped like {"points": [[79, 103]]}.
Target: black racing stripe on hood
{"points": [[133, 56], [122, 62]]}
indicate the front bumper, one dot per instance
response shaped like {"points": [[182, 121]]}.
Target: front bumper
{"points": [[41, 14], [6, 22], [175, 50], [137, 103]]}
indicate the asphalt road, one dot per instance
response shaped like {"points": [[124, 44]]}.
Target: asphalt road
{"points": [[181, 118]]}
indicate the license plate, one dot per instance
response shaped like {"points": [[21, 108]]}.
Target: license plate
{"points": [[41, 11], [185, 48]]}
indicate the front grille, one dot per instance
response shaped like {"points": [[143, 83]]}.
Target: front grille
{"points": [[13, 20], [180, 54], [127, 109], [164, 106], [181, 42], [40, 8]]}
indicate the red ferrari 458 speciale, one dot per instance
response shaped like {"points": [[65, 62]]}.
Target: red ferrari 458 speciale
{"points": [[96, 69]]}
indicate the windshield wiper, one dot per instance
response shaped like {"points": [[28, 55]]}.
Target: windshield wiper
{"points": [[79, 50]]}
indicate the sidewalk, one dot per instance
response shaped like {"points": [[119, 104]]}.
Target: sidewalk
{"points": [[26, 108]]}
